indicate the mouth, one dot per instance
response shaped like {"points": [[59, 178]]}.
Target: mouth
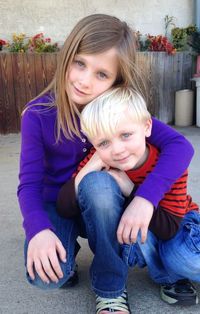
{"points": [[78, 91], [122, 160]]}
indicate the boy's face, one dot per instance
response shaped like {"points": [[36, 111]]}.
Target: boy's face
{"points": [[126, 149]]}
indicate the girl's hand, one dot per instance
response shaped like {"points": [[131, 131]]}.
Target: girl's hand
{"points": [[94, 164], [135, 218], [43, 252], [124, 182]]}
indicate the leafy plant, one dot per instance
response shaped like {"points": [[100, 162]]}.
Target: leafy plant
{"points": [[143, 42], [160, 43], [39, 43], [154, 43], [18, 44], [180, 36]]}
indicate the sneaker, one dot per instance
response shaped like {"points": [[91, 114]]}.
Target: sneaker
{"points": [[181, 292], [113, 305], [73, 280]]}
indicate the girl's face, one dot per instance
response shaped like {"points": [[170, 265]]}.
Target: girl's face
{"points": [[90, 75]]}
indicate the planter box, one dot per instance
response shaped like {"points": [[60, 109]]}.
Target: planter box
{"points": [[24, 75]]}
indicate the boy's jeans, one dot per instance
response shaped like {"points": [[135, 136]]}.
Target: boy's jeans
{"points": [[102, 203]]}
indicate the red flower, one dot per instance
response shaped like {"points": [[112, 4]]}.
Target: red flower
{"points": [[161, 43], [2, 42]]}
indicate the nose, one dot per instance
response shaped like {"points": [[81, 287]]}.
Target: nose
{"points": [[117, 148], [85, 79]]}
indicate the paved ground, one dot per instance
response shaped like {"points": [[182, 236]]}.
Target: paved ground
{"points": [[17, 297]]}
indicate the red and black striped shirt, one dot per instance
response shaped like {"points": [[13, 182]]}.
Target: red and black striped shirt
{"points": [[176, 201]]}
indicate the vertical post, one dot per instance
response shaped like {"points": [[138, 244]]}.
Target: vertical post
{"points": [[197, 80], [197, 14]]}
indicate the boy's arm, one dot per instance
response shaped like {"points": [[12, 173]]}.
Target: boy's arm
{"points": [[67, 205]]}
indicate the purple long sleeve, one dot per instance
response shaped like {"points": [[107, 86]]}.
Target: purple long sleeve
{"points": [[176, 154]]}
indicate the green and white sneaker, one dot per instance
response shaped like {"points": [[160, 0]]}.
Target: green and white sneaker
{"points": [[113, 305], [182, 292]]}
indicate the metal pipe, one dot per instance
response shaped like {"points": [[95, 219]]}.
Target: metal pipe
{"points": [[197, 13]]}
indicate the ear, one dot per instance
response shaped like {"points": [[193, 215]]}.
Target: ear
{"points": [[148, 127]]}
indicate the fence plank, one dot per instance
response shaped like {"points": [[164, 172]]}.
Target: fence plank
{"points": [[18, 84], [10, 112], [2, 100]]}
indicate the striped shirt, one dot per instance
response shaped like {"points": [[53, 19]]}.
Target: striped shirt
{"points": [[176, 201]]}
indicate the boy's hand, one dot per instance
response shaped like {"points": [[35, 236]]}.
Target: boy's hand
{"points": [[43, 251], [124, 182], [135, 218], [94, 164]]}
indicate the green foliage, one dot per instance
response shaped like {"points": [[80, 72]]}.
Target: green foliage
{"points": [[37, 43], [18, 43], [180, 36]]}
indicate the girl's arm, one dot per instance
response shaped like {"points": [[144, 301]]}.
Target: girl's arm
{"points": [[175, 155], [31, 176], [44, 247]]}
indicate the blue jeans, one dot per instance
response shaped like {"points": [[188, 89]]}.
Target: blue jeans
{"points": [[102, 205], [67, 231], [174, 259]]}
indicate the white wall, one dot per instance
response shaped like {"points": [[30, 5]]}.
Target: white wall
{"points": [[57, 17]]}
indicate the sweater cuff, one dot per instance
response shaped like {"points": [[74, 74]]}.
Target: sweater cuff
{"points": [[36, 224]]}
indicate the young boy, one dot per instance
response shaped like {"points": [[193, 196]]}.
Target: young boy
{"points": [[117, 124]]}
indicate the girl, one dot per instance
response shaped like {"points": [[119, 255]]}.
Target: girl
{"points": [[99, 53]]}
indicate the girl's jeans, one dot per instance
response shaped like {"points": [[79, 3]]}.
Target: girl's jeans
{"points": [[102, 203], [67, 231]]}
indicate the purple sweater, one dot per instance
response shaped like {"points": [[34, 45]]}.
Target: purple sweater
{"points": [[46, 165]]}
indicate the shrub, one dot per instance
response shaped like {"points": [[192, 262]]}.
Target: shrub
{"points": [[37, 43]]}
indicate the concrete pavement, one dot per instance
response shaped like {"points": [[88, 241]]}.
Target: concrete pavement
{"points": [[18, 297]]}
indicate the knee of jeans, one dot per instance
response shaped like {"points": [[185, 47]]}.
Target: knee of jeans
{"points": [[183, 249], [192, 217], [99, 191], [37, 282]]}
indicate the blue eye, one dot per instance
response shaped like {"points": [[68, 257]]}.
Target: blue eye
{"points": [[126, 135], [79, 63], [103, 143], [102, 75]]}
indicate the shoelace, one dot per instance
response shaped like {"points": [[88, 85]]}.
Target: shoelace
{"points": [[112, 305]]}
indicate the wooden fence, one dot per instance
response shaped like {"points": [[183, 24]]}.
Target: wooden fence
{"points": [[24, 75]]}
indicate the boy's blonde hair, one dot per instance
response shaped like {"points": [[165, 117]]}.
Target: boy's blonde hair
{"points": [[101, 116]]}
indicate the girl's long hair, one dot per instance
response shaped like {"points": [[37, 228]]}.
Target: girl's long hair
{"points": [[92, 35]]}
